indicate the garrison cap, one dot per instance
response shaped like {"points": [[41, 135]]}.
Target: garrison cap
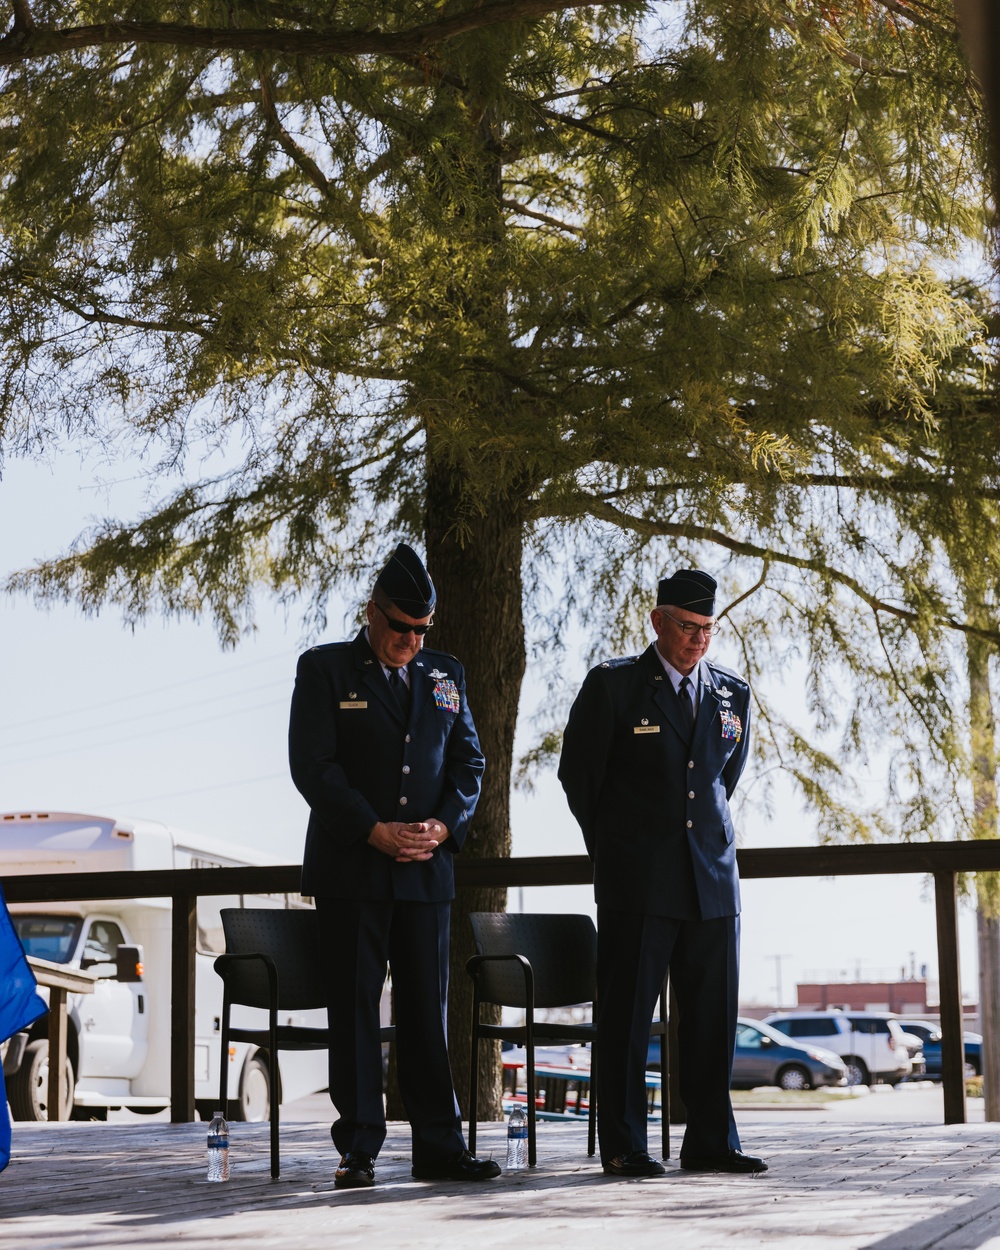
{"points": [[688, 588], [406, 582]]}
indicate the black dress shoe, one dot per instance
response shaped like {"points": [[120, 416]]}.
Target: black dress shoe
{"points": [[356, 1171], [638, 1163], [459, 1167], [734, 1161]]}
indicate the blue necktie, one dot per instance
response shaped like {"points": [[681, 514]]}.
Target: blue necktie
{"points": [[687, 707], [401, 690]]}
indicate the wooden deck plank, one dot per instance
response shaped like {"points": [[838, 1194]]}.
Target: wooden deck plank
{"points": [[881, 1186]]}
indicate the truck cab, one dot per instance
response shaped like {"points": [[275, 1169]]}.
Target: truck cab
{"points": [[118, 1037]]}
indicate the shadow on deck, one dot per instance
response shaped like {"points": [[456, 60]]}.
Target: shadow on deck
{"points": [[882, 1186]]}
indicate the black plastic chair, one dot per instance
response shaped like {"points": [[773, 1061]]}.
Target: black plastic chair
{"points": [[270, 962], [540, 961]]}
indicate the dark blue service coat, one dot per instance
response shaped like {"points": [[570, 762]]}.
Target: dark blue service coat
{"points": [[653, 808], [356, 762]]}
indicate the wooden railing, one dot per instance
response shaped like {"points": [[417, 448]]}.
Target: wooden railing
{"points": [[941, 860]]}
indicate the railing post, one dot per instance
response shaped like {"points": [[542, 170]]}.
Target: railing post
{"points": [[58, 1108], [183, 937], [952, 1041]]}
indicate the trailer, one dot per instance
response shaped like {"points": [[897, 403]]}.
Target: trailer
{"points": [[118, 1040]]}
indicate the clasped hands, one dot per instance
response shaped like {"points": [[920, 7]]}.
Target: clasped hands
{"points": [[408, 843]]}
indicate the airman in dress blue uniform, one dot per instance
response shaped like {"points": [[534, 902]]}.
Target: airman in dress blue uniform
{"points": [[383, 748], [652, 752]]}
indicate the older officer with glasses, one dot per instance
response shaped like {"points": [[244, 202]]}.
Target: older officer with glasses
{"points": [[383, 749], [652, 752]]}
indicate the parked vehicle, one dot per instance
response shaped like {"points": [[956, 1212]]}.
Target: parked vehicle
{"points": [[870, 1043], [118, 1042], [915, 1049], [930, 1035], [766, 1057]]}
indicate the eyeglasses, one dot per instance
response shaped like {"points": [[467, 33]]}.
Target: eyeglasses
{"points": [[689, 629], [402, 627]]}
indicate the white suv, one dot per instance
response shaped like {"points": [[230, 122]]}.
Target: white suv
{"points": [[871, 1043]]}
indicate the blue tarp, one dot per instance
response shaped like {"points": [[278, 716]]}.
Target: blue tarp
{"points": [[20, 1003]]}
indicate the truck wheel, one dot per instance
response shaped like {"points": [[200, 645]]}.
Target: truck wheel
{"points": [[28, 1088], [254, 1101], [857, 1072]]}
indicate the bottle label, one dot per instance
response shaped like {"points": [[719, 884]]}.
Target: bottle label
{"points": [[218, 1143], [518, 1131]]}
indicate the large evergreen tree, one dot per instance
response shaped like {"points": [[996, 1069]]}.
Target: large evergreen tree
{"points": [[550, 289]]}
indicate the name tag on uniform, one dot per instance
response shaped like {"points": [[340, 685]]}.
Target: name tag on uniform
{"points": [[646, 729], [352, 706]]}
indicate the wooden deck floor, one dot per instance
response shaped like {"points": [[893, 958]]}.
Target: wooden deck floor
{"points": [[882, 1186]]}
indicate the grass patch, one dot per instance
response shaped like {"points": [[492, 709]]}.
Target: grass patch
{"points": [[772, 1096]]}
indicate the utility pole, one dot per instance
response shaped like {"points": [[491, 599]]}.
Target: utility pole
{"points": [[779, 997]]}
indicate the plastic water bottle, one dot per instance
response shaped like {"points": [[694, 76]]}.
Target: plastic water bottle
{"points": [[218, 1148], [517, 1139]]}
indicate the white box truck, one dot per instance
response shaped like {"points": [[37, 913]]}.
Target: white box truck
{"points": [[118, 1044]]}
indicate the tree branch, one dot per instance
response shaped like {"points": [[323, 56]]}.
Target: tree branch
{"points": [[652, 528], [31, 43], [843, 53], [543, 217], [946, 29], [24, 23]]}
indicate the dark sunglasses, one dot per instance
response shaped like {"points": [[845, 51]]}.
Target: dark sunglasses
{"points": [[401, 627]]}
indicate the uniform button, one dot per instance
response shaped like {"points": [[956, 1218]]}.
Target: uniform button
{"points": [[690, 792], [690, 822], [406, 768], [407, 739], [690, 762], [402, 803]]}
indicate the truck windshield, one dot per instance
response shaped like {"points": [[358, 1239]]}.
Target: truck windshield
{"points": [[49, 937]]}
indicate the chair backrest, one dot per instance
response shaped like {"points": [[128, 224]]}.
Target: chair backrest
{"points": [[291, 938], [562, 951]]}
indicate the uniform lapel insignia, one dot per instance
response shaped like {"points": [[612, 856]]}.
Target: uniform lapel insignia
{"points": [[438, 675], [723, 692]]}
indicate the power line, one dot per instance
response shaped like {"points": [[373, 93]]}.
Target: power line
{"points": [[183, 794], [141, 716], [143, 694], [205, 720]]}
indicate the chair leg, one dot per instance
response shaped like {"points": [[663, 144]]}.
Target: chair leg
{"points": [[272, 1065], [592, 1113], [474, 1083], [530, 1059], [224, 1057], [272, 1068]]}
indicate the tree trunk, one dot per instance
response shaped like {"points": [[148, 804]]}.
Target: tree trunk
{"points": [[988, 941], [984, 790], [479, 618]]}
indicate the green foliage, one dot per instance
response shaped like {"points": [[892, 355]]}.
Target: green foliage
{"points": [[647, 293]]}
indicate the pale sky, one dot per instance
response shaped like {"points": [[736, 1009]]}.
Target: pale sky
{"points": [[161, 723]]}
